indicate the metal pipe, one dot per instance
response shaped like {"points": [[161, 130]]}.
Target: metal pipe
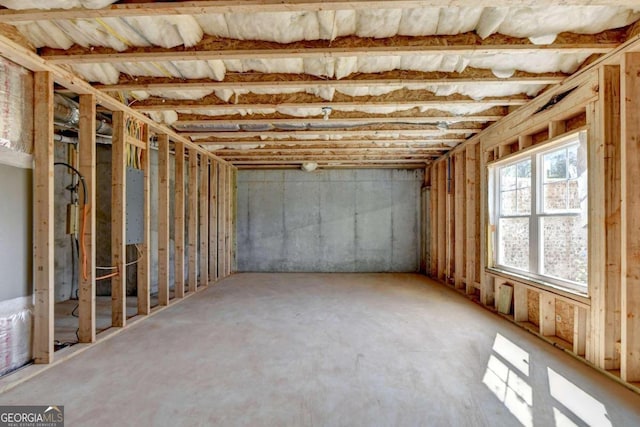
{"points": [[74, 139], [66, 114]]}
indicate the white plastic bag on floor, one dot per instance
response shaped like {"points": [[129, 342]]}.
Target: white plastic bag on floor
{"points": [[15, 333]]}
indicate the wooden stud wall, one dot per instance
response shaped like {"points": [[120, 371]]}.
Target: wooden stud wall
{"points": [[213, 221], [143, 266], [179, 220], [193, 221], [87, 273], [118, 221], [229, 231], [222, 200], [441, 220], [459, 221], [630, 220], [45, 75], [163, 219], [43, 243], [433, 215], [603, 327], [609, 297], [472, 195], [204, 222]]}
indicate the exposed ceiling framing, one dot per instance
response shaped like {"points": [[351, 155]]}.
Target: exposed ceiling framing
{"points": [[211, 48], [347, 100], [231, 6]]}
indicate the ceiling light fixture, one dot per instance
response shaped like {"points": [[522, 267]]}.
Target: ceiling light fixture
{"points": [[442, 126], [326, 111], [309, 166]]}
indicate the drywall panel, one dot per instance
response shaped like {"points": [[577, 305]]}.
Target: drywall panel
{"points": [[16, 240], [329, 221]]}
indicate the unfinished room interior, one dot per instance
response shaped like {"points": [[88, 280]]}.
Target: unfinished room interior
{"points": [[337, 213]]}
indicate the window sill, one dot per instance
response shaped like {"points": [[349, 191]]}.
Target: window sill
{"points": [[563, 293]]}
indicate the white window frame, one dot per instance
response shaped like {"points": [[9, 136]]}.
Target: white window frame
{"points": [[535, 155]]}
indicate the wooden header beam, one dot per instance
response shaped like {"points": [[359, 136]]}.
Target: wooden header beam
{"points": [[215, 48], [249, 6]]}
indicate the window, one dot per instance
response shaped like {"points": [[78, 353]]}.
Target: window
{"points": [[540, 214]]}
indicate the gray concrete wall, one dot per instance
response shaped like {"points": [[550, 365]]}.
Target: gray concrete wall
{"points": [[65, 278], [329, 220], [16, 236], [103, 222]]}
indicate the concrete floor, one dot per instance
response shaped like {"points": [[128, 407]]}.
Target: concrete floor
{"points": [[328, 349], [66, 324]]}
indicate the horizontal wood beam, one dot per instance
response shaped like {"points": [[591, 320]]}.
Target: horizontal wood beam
{"points": [[434, 104], [255, 80], [343, 133], [335, 165], [248, 6], [330, 150], [325, 161], [215, 48], [435, 142], [339, 115], [258, 152], [340, 121], [318, 157]]}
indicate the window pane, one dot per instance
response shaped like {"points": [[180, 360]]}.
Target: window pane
{"points": [[565, 248], [524, 173], [524, 200], [574, 195], [508, 202], [555, 196], [555, 165], [508, 178], [513, 247], [572, 160]]}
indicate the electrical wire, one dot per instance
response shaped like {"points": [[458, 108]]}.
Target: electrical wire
{"points": [[82, 232], [77, 172], [85, 211], [108, 276]]}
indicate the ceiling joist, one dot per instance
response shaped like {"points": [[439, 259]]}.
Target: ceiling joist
{"points": [[212, 48], [363, 121], [319, 159], [336, 114], [252, 6], [437, 144], [337, 165], [405, 78], [175, 106], [327, 150], [397, 98], [382, 133]]}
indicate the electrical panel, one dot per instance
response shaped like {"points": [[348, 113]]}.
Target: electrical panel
{"points": [[135, 206]]}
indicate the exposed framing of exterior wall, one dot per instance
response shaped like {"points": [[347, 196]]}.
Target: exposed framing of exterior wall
{"points": [[601, 328], [45, 76]]}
